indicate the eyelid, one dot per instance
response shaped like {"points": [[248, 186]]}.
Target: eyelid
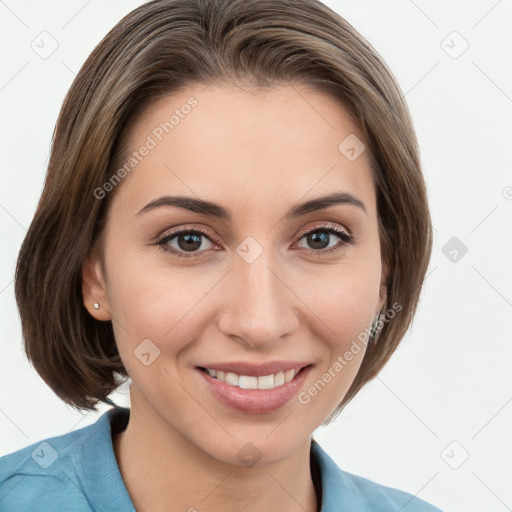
{"points": [[181, 229], [323, 225]]}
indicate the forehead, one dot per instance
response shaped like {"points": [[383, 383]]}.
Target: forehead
{"points": [[249, 147]]}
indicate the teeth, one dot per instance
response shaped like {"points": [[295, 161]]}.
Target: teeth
{"points": [[252, 382]]}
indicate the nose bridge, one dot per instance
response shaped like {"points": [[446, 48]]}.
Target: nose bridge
{"points": [[260, 307]]}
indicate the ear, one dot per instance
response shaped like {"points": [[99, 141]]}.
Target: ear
{"points": [[383, 292], [94, 289]]}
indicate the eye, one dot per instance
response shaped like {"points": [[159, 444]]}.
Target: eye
{"points": [[320, 236], [187, 242]]}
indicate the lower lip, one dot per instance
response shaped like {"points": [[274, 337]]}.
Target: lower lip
{"points": [[255, 401]]}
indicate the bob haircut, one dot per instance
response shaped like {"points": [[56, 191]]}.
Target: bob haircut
{"points": [[159, 48]]}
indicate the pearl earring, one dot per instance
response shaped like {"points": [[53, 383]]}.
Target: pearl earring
{"points": [[96, 305]]}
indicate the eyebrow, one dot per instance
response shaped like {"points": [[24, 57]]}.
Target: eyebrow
{"points": [[215, 210]]}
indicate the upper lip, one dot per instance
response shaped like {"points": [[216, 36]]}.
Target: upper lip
{"points": [[256, 370]]}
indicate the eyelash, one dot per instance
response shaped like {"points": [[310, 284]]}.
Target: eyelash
{"points": [[346, 239]]}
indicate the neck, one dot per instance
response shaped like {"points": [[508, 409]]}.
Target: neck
{"points": [[164, 471]]}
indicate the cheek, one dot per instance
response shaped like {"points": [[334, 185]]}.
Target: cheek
{"points": [[155, 301], [341, 311], [343, 297]]}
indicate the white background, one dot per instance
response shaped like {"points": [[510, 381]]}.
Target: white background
{"points": [[449, 381]]}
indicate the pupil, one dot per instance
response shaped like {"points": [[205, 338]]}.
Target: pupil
{"points": [[323, 239], [192, 242]]}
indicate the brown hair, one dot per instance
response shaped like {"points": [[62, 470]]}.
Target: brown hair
{"points": [[158, 48]]}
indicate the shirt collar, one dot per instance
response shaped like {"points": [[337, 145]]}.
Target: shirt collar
{"points": [[105, 487]]}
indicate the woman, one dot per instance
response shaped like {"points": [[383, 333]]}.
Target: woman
{"points": [[235, 218]]}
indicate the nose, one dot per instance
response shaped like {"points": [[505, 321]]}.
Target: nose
{"points": [[259, 306]]}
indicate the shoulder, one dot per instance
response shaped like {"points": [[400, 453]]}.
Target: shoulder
{"points": [[52, 474], [386, 499], [44, 470], [353, 492]]}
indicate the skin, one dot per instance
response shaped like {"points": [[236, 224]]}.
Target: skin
{"points": [[256, 153]]}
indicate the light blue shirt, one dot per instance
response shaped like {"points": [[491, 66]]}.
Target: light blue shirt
{"points": [[78, 472]]}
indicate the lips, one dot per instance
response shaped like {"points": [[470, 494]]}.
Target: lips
{"points": [[254, 401]]}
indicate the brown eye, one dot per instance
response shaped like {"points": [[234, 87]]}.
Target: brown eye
{"points": [[185, 243], [319, 238]]}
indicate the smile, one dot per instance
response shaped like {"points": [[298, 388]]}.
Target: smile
{"points": [[254, 382], [255, 394]]}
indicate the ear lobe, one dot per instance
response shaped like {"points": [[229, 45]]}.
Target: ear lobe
{"points": [[94, 290]]}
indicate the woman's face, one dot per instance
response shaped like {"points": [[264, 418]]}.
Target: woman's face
{"points": [[252, 286]]}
